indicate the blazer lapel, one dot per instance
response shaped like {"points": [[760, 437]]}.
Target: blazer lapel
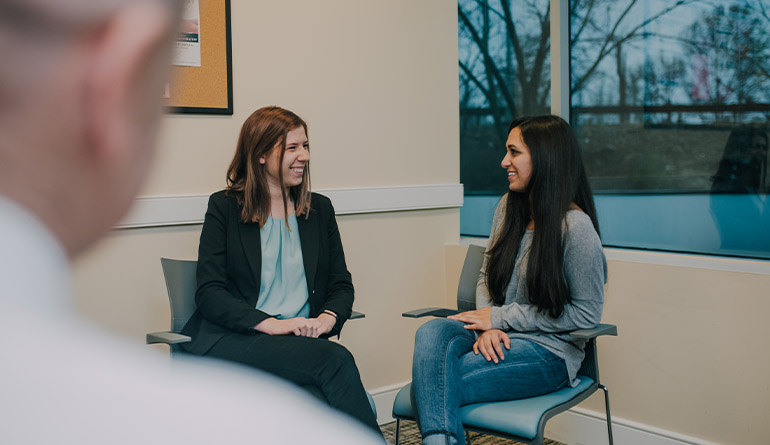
{"points": [[309, 239], [252, 248]]}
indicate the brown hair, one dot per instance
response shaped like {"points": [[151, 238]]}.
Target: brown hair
{"points": [[264, 130]]}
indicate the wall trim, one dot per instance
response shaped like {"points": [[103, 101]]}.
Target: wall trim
{"points": [[720, 263], [383, 400], [158, 211]]}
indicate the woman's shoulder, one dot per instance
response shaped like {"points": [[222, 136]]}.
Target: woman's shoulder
{"points": [[580, 226], [500, 208], [578, 218], [223, 200], [222, 196], [317, 197], [219, 195], [320, 202]]}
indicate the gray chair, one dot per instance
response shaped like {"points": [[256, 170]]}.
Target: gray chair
{"points": [[522, 420], [181, 285]]}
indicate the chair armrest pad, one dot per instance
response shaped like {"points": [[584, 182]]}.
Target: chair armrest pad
{"points": [[354, 315], [430, 312], [169, 338], [602, 329]]}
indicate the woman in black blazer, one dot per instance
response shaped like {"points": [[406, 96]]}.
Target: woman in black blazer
{"points": [[260, 237]]}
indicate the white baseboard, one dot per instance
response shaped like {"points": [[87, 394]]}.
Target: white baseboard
{"points": [[383, 400], [577, 426], [580, 426]]}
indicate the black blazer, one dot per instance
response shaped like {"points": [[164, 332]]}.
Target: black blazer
{"points": [[230, 265]]}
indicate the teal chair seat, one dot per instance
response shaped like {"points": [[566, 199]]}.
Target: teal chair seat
{"points": [[520, 418], [516, 418]]}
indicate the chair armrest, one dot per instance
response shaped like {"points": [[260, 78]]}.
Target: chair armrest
{"points": [[602, 329], [354, 315], [169, 338], [430, 312]]}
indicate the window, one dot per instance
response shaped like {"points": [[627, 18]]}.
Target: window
{"points": [[504, 61], [670, 101]]}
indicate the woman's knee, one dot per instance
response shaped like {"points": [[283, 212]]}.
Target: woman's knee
{"points": [[436, 331], [336, 354]]}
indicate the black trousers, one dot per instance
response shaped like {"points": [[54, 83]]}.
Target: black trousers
{"points": [[322, 367]]}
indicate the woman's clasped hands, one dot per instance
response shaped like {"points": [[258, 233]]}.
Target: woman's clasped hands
{"points": [[489, 343], [299, 326]]}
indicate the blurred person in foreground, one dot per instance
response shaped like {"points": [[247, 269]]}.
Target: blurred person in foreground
{"points": [[79, 106]]}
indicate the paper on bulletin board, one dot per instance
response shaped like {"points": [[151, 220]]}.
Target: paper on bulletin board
{"points": [[187, 48]]}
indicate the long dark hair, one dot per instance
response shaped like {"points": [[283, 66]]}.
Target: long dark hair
{"points": [[558, 179], [246, 177]]}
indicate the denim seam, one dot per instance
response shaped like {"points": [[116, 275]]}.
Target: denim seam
{"points": [[442, 377], [502, 364]]}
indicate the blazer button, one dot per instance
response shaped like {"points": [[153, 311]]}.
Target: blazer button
{"points": [[313, 291]]}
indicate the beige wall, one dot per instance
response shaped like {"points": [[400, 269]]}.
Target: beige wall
{"points": [[691, 356], [377, 83], [375, 80], [692, 351]]}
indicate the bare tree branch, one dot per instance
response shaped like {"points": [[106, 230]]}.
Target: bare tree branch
{"points": [[514, 38], [472, 77], [489, 62], [611, 42], [575, 37]]}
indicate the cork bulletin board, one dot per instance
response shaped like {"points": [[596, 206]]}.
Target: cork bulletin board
{"points": [[208, 88]]}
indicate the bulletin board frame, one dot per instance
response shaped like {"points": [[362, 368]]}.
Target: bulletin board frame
{"points": [[207, 89]]}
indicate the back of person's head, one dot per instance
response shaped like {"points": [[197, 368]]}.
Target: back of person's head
{"points": [[261, 133], [79, 105]]}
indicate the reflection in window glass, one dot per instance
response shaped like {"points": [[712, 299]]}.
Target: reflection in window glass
{"points": [[504, 62], [671, 103]]}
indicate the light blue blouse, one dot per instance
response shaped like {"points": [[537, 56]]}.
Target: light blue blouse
{"points": [[283, 287]]}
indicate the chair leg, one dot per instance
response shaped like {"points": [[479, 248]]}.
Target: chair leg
{"points": [[398, 429], [607, 407], [467, 437]]}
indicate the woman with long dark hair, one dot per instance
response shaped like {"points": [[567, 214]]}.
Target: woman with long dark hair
{"points": [[543, 275], [272, 280]]}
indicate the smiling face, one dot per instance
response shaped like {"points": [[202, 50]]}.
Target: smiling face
{"points": [[517, 162], [295, 158]]}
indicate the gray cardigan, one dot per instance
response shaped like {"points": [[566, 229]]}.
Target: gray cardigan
{"points": [[585, 269]]}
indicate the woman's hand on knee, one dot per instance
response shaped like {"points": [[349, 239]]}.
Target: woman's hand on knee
{"points": [[488, 344], [298, 326], [315, 327], [479, 320], [325, 323]]}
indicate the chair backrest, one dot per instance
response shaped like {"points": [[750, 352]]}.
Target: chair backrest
{"points": [[590, 365], [466, 289], [181, 285]]}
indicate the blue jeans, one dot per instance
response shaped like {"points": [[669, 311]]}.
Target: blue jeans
{"points": [[446, 374]]}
